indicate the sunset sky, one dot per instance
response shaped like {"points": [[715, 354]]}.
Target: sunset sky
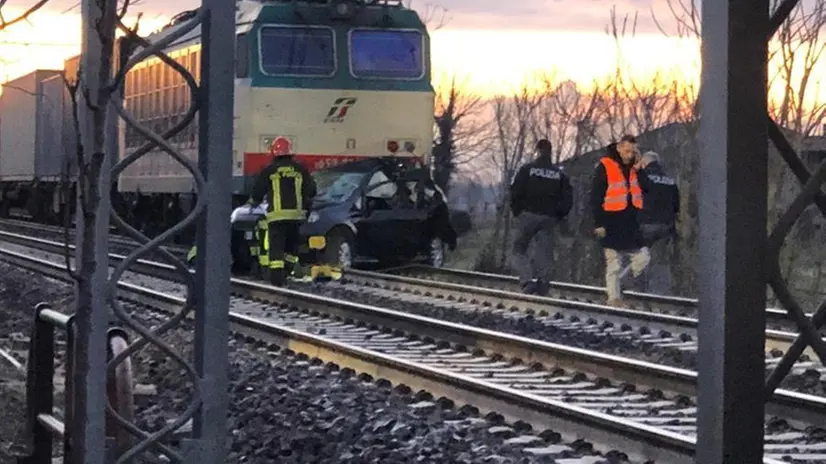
{"points": [[490, 44]]}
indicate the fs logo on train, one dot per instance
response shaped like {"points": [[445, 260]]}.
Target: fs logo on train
{"points": [[339, 109]]}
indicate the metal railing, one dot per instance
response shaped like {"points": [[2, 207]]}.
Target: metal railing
{"points": [[42, 424]]}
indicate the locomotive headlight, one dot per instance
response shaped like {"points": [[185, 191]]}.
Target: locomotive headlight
{"points": [[313, 217], [343, 9], [409, 147]]}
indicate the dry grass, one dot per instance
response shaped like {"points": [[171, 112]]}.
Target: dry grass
{"points": [[470, 246]]}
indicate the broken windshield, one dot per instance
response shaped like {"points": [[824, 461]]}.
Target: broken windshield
{"points": [[336, 186]]}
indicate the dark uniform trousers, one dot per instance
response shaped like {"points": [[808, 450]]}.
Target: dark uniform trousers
{"points": [[279, 242], [279, 232]]}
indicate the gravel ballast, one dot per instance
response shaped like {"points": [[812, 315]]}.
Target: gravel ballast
{"points": [[287, 408], [810, 381]]}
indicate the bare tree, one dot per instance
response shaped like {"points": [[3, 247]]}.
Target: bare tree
{"points": [[570, 118], [795, 52], [512, 131], [638, 107], [459, 132], [798, 49]]}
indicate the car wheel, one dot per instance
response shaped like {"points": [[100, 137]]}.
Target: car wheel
{"points": [[436, 253], [340, 250]]}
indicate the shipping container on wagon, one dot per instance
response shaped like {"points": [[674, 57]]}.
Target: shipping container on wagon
{"points": [[24, 118], [57, 138]]}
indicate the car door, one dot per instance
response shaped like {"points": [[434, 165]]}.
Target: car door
{"points": [[379, 228], [414, 218]]}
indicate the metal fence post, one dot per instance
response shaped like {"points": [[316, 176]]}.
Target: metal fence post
{"points": [[213, 265], [733, 218], [68, 389], [40, 387]]}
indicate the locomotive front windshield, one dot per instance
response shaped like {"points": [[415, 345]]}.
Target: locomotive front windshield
{"points": [[297, 51], [387, 54]]}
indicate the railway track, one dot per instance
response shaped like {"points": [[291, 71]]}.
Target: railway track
{"points": [[642, 333], [664, 330], [672, 305], [584, 393], [119, 243]]}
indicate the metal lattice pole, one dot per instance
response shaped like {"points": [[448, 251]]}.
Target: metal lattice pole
{"points": [[809, 328], [723, 435], [733, 215], [208, 290], [212, 291]]}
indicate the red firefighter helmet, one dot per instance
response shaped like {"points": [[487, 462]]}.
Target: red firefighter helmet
{"points": [[281, 146]]}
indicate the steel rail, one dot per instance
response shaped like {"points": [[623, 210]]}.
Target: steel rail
{"points": [[517, 405], [562, 290], [115, 240], [775, 339]]}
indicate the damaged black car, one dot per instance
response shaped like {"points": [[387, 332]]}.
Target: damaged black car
{"points": [[379, 210]]}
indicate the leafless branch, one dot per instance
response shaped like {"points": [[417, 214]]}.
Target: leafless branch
{"points": [[435, 17], [636, 107], [22, 17], [686, 16], [458, 127], [795, 52]]}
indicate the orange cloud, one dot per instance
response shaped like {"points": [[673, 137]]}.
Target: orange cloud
{"points": [[493, 62]]}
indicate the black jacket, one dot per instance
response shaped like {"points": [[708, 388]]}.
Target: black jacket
{"points": [[622, 228], [661, 196], [289, 199], [540, 187]]}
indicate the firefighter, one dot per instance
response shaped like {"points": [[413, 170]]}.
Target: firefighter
{"points": [[289, 189]]}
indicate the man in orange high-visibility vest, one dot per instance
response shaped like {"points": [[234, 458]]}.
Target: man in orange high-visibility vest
{"points": [[616, 199]]}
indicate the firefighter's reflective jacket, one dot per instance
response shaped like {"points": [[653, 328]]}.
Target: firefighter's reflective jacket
{"points": [[288, 189]]}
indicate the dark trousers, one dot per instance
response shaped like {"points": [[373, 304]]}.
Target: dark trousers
{"points": [[660, 240], [283, 241], [539, 229]]}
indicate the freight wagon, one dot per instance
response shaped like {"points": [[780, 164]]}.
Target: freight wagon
{"points": [[35, 131], [333, 80]]}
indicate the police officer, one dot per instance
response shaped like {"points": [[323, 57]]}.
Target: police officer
{"points": [[289, 189], [541, 195], [661, 206], [616, 200]]}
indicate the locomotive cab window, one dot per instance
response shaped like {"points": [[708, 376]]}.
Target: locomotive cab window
{"points": [[297, 51], [387, 54]]}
